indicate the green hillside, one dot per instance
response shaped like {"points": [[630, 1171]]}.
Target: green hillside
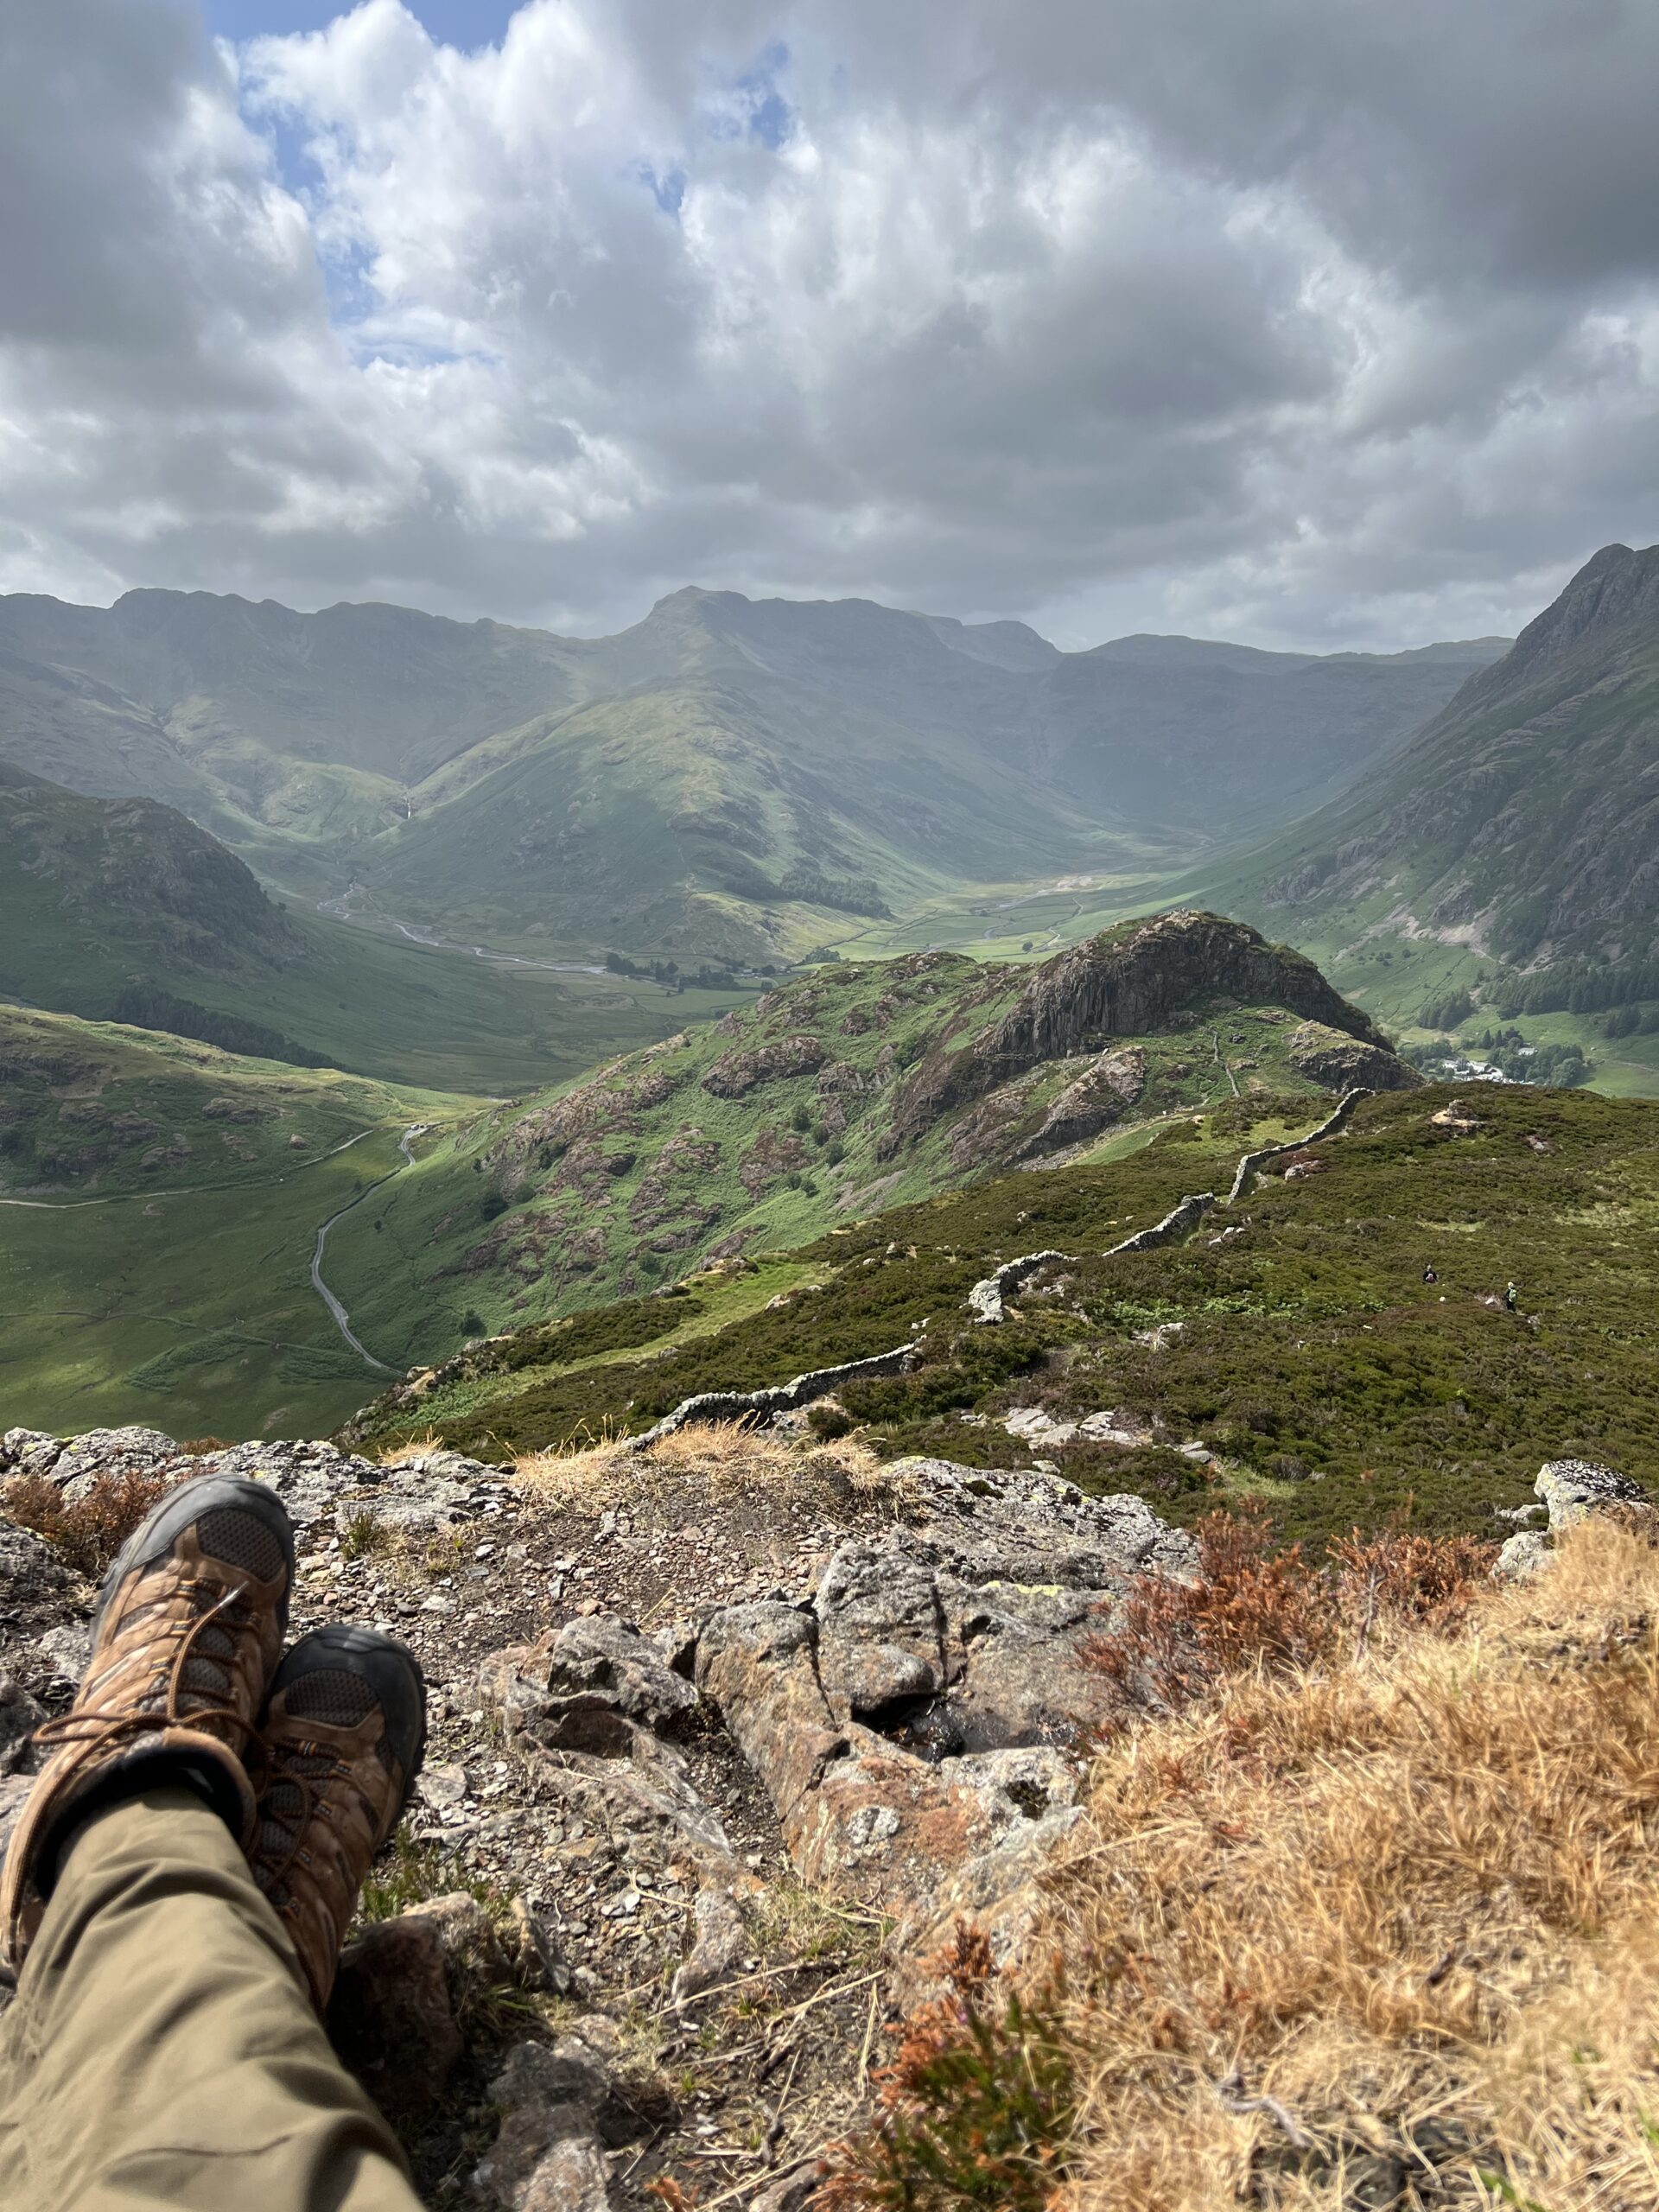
{"points": [[851, 1090], [124, 909], [160, 1203], [1292, 1337], [730, 779], [1508, 854]]}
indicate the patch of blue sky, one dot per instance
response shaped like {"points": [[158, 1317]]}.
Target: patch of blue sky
{"points": [[756, 108], [464, 23], [668, 190]]}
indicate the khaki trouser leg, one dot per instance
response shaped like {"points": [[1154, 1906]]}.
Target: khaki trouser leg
{"points": [[159, 2052]]}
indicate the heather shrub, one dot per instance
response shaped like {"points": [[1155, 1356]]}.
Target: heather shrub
{"points": [[1253, 1607], [976, 2109], [87, 1532]]}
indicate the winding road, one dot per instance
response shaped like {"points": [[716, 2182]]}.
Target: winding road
{"points": [[341, 1319], [337, 1312]]}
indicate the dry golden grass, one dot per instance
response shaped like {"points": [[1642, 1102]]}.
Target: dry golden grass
{"points": [[727, 1458], [1411, 1899], [412, 1447]]}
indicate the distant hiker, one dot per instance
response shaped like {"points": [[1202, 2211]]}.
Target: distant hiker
{"points": [[1510, 1297], [1429, 1274], [178, 1888]]}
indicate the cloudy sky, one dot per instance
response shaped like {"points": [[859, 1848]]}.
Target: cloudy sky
{"points": [[1307, 322]]}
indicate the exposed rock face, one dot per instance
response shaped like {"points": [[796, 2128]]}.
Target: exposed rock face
{"points": [[1325, 1056], [1103, 989], [426, 1493], [911, 1719], [1095, 1100], [739, 1073]]}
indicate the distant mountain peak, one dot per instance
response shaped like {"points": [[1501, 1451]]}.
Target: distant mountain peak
{"points": [[1616, 586]]}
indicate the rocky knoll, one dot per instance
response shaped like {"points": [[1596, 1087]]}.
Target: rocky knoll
{"points": [[1117, 985], [738, 1712]]}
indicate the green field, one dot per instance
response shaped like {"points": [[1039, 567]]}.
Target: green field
{"points": [[159, 1206]]}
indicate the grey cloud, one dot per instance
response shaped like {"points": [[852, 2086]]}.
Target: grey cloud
{"points": [[1309, 323]]}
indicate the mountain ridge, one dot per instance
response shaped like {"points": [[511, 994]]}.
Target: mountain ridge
{"points": [[614, 784]]}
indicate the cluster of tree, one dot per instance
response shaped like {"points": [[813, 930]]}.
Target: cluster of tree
{"points": [[1631, 1021], [846, 894], [1563, 1065], [1446, 1012], [145, 1008], [1576, 987], [672, 976]]}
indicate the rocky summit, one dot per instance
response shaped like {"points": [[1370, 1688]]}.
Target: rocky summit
{"points": [[745, 1712]]}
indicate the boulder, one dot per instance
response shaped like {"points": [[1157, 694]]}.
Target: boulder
{"points": [[20, 1715], [103, 1451], [31, 1573], [403, 1987], [572, 1688], [758, 1663], [572, 2177], [1573, 1488], [1524, 1554], [720, 1942]]}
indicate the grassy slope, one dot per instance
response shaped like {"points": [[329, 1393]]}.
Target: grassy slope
{"points": [[1311, 1345], [159, 1269], [620, 1185], [99, 895]]}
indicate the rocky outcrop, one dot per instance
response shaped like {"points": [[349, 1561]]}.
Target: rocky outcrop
{"points": [[739, 1073], [1570, 1490], [1096, 1099], [1117, 986], [422, 1494], [918, 1713], [1336, 1062]]}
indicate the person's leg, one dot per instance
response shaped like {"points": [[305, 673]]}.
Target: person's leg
{"points": [[161, 2050]]}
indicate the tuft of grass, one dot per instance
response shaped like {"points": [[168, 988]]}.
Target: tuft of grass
{"points": [[728, 1455]]}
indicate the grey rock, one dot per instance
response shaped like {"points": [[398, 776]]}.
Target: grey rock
{"points": [[572, 2177], [1573, 1488], [61, 1655], [590, 1687], [442, 1786], [606, 1658], [100, 1452], [1526, 1554], [30, 1571], [20, 1715], [879, 1628], [28, 1452], [720, 1943], [546, 2094]]}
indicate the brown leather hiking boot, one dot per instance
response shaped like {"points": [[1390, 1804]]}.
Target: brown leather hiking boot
{"points": [[188, 1630], [338, 1748]]}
